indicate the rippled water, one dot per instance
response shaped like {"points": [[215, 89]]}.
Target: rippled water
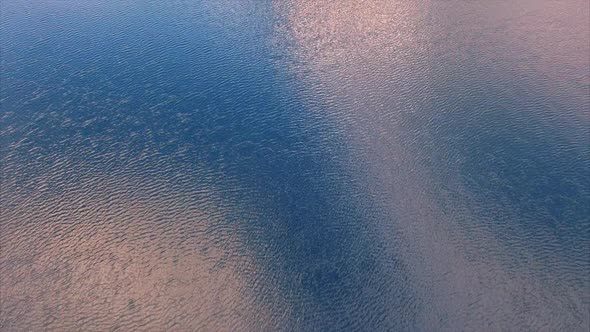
{"points": [[295, 165]]}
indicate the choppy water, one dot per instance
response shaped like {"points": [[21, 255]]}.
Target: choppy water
{"points": [[295, 165]]}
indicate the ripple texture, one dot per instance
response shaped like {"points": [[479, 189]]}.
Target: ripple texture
{"points": [[295, 166]]}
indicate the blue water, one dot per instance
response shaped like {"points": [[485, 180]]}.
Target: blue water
{"points": [[295, 165]]}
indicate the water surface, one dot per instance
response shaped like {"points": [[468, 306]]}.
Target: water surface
{"points": [[295, 165]]}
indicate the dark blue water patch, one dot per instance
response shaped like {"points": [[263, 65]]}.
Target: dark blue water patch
{"points": [[521, 156]]}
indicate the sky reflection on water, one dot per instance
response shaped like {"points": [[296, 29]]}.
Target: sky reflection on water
{"points": [[299, 165]]}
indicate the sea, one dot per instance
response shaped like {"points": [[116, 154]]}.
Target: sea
{"points": [[295, 165]]}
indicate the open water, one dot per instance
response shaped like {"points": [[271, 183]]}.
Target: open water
{"points": [[295, 165]]}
